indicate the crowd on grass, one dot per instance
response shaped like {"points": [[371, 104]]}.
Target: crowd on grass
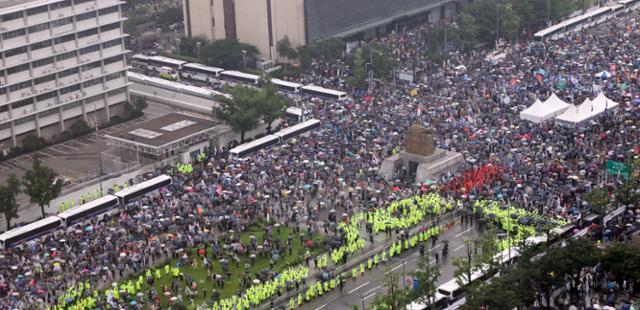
{"points": [[545, 167]]}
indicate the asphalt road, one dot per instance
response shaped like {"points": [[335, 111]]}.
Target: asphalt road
{"points": [[372, 283]]}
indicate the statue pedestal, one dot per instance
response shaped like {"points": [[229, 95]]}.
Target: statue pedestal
{"points": [[430, 167]]}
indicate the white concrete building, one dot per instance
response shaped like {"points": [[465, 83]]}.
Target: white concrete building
{"points": [[61, 61]]}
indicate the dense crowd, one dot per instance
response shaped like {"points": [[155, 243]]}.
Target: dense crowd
{"points": [[544, 167]]}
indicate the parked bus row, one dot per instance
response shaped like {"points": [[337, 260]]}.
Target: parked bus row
{"points": [[108, 204], [245, 149], [589, 19], [174, 69]]}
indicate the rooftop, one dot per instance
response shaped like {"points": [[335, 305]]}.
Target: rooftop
{"points": [[165, 130]]}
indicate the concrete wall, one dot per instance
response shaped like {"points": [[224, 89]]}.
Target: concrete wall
{"points": [[251, 24], [288, 21], [200, 15]]}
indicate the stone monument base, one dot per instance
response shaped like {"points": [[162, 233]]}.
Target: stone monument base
{"points": [[430, 167]]}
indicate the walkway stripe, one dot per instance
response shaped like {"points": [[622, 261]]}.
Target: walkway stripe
{"points": [[321, 307], [359, 287], [458, 248], [363, 298], [46, 154], [373, 289], [462, 233]]}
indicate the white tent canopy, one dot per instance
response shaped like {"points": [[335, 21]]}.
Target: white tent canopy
{"points": [[541, 111], [602, 103]]}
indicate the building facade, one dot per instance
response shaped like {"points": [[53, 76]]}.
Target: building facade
{"points": [[62, 61], [265, 22]]}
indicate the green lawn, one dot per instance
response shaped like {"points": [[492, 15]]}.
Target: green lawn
{"points": [[199, 274]]}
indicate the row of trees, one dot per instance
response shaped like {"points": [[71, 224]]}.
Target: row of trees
{"points": [[246, 106], [226, 53], [530, 280], [40, 183]]}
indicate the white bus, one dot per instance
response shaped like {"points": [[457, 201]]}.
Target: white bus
{"points": [[318, 91], [245, 149], [127, 195], [29, 232], [286, 86], [141, 61], [629, 4], [295, 114], [237, 76], [88, 210], [157, 62], [200, 72], [578, 23], [441, 302], [298, 129]]}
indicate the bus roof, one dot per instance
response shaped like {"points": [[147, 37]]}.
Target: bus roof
{"points": [[285, 83], [294, 110], [294, 128], [243, 147], [143, 185], [421, 306], [240, 74], [140, 56], [88, 206], [168, 60], [202, 67], [324, 90], [29, 227]]}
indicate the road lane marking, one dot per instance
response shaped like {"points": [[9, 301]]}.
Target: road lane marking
{"points": [[83, 144], [394, 269], [458, 248], [46, 154], [462, 233], [71, 147], [359, 287], [373, 289], [321, 307], [363, 298]]}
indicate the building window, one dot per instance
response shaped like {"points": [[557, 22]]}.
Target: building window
{"points": [[69, 89], [38, 10], [110, 27], [16, 51], [115, 92], [90, 49], [3, 91], [111, 43], [114, 76], [39, 27], [64, 56], [92, 82], [68, 72], [90, 66], [45, 79], [109, 10], [13, 34], [11, 16], [62, 22], [17, 69], [19, 86], [87, 33], [81, 1], [42, 62], [39, 45], [46, 96], [22, 103], [84, 16], [4, 108], [64, 39], [111, 60]]}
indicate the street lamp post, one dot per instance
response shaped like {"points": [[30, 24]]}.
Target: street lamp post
{"points": [[244, 59], [99, 149], [367, 68], [404, 275], [178, 40], [198, 44]]}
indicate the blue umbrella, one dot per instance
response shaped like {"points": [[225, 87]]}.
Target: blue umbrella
{"points": [[636, 101]]}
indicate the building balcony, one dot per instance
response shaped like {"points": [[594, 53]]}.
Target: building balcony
{"points": [[64, 47], [112, 51], [68, 80], [40, 35], [37, 18], [42, 53], [14, 42], [61, 13], [63, 29], [18, 77], [85, 7], [16, 60], [87, 24], [114, 67], [115, 83], [110, 35], [83, 42], [109, 18], [46, 104], [45, 87], [13, 24]]}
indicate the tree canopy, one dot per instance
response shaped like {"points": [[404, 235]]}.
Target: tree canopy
{"points": [[41, 184], [8, 202]]}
